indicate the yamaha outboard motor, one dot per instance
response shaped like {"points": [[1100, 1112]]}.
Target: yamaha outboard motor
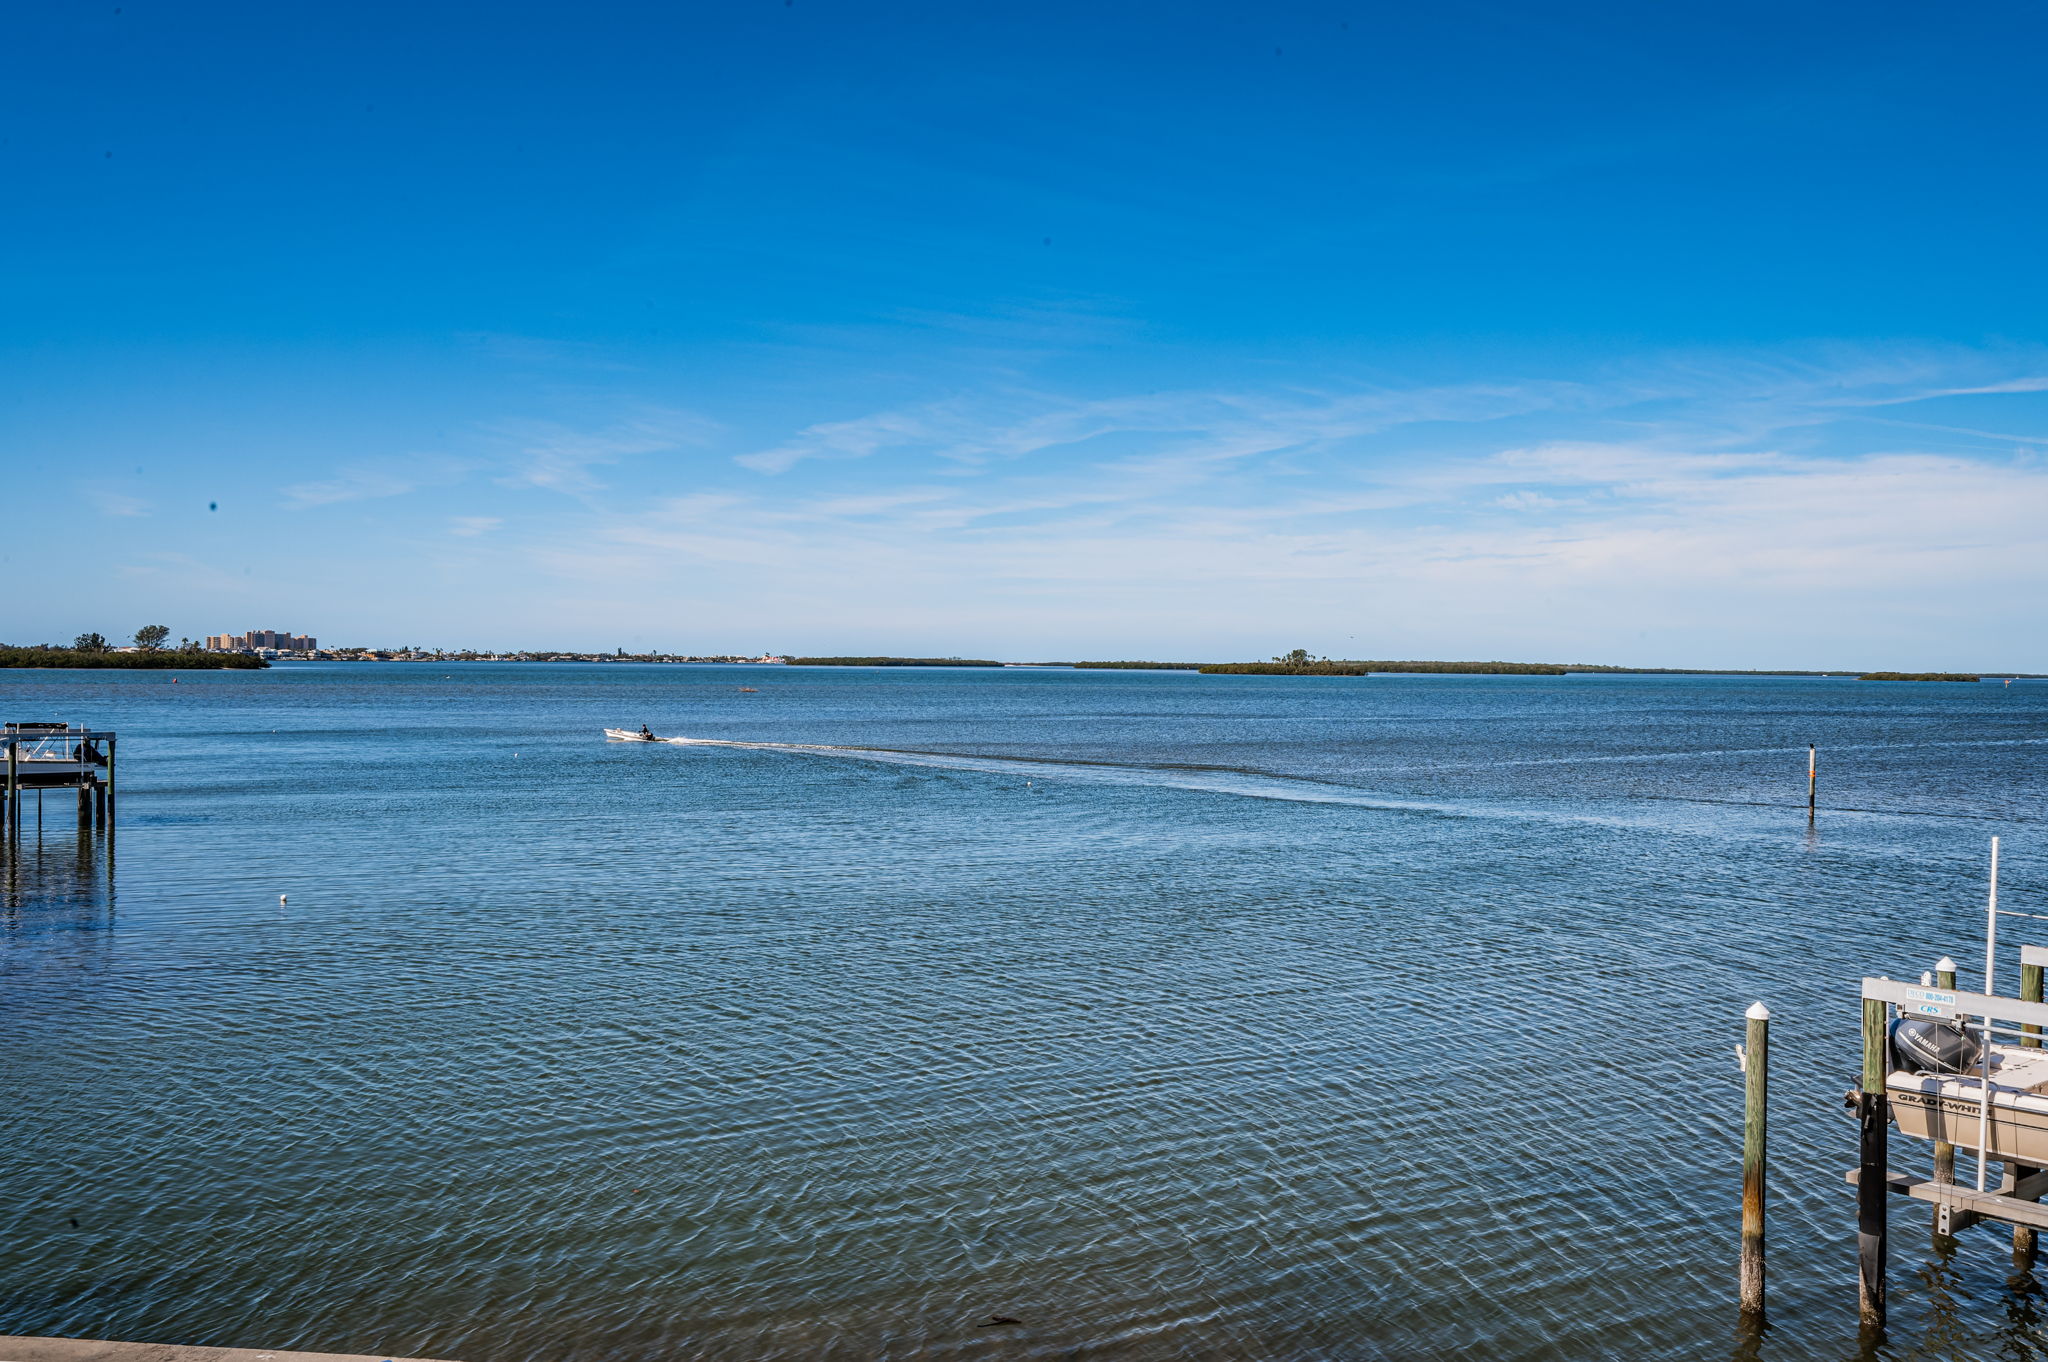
{"points": [[1922, 1046]]}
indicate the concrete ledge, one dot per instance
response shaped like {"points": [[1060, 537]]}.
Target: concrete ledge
{"points": [[96, 1350]]}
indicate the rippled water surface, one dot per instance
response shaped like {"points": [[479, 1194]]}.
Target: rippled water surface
{"points": [[1171, 1016]]}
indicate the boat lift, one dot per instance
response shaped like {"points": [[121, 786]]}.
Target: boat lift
{"points": [[55, 756], [1995, 1106]]}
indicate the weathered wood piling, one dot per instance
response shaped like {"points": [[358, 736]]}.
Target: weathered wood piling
{"points": [[1756, 1052], [2026, 1238], [1944, 1152], [1873, 1120]]}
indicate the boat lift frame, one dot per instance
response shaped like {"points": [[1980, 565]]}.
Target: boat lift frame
{"points": [[2015, 1199], [93, 777]]}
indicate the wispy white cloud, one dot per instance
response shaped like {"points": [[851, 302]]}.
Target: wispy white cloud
{"points": [[182, 572], [1727, 497], [1525, 500], [560, 457], [376, 478], [1165, 428], [107, 501], [538, 352], [1718, 502], [855, 439], [2031, 383], [547, 455]]}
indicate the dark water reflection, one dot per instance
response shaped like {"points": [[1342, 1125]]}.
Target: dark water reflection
{"points": [[1171, 1016]]}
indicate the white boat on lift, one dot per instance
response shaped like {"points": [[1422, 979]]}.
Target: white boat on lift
{"points": [[1948, 1076], [1950, 1107]]}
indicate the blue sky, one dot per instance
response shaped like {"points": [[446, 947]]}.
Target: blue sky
{"points": [[1642, 334]]}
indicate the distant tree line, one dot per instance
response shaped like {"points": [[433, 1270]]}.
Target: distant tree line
{"points": [[1323, 666], [93, 650], [892, 662], [1918, 676], [1691, 671], [1300, 663], [1469, 668], [157, 659], [1318, 667]]}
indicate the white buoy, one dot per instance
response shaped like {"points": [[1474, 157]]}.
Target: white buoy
{"points": [[280, 899]]}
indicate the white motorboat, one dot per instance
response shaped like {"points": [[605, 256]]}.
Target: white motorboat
{"points": [[630, 735]]}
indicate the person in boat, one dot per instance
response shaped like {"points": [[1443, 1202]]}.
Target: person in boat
{"points": [[647, 732]]}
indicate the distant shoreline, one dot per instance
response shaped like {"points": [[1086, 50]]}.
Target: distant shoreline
{"points": [[1346, 667], [45, 658]]}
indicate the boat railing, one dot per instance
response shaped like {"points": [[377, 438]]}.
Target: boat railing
{"points": [[49, 743]]}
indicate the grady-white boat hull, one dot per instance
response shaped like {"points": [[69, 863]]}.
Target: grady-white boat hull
{"points": [[1950, 1107]]}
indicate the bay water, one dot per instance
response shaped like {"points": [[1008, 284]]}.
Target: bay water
{"points": [[1165, 1015]]}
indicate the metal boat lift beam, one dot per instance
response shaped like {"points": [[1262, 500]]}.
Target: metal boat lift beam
{"points": [[1920, 1001], [2013, 1203]]}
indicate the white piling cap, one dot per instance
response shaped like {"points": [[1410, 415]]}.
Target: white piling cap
{"points": [[1758, 1012], [1945, 964]]}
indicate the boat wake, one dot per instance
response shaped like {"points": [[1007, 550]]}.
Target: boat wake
{"points": [[1213, 780], [1249, 784]]}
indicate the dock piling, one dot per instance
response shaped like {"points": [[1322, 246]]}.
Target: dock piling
{"points": [[1871, 1186], [2025, 1238], [1812, 778], [1944, 1152], [1755, 1093]]}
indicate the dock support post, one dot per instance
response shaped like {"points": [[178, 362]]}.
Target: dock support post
{"points": [[1812, 779], [108, 804], [1944, 1152], [2025, 1238], [1755, 1074], [13, 819], [1871, 1186]]}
